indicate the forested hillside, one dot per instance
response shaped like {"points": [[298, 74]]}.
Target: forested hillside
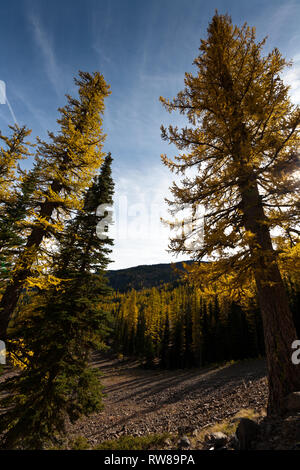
{"points": [[145, 276]]}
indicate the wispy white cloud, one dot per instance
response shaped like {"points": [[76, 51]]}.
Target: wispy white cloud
{"points": [[275, 20], [5, 115], [292, 78], [100, 52], [101, 34], [8, 118], [39, 114], [45, 45], [280, 16]]}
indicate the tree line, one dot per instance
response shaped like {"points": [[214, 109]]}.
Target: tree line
{"points": [[181, 327]]}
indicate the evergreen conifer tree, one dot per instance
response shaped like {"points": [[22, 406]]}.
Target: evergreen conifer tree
{"points": [[56, 332]]}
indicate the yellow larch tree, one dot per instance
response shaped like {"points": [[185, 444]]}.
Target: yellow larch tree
{"points": [[67, 164], [242, 144]]}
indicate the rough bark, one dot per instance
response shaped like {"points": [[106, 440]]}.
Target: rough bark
{"points": [[279, 328], [278, 324]]}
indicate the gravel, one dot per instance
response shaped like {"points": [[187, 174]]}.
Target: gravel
{"points": [[180, 401]]}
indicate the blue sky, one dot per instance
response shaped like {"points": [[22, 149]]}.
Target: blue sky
{"points": [[143, 48]]}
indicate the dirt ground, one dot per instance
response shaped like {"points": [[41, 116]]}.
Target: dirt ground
{"points": [[140, 401]]}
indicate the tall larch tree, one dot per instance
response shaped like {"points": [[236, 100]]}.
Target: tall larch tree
{"points": [[68, 163], [243, 145]]}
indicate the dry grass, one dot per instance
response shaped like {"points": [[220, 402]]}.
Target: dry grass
{"points": [[227, 426], [149, 442]]}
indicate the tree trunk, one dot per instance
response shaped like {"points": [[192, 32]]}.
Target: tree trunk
{"points": [[14, 289], [279, 328]]}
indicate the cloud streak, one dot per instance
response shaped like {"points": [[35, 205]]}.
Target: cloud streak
{"points": [[53, 70], [292, 78]]}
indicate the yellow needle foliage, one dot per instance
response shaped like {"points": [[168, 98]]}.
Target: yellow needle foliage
{"points": [[67, 163], [243, 133]]}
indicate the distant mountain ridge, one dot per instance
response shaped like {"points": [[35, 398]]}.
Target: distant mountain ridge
{"points": [[144, 276]]}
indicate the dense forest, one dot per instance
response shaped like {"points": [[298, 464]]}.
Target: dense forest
{"points": [[178, 327]]}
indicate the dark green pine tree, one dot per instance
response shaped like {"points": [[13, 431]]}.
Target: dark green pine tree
{"points": [[63, 327], [149, 351], [13, 195], [13, 223], [178, 344], [140, 332], [165, 345], [89, 253], [188, 353]]}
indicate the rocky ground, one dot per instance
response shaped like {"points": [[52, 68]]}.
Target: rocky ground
{"points": [[199, 408], [140, 402]]}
